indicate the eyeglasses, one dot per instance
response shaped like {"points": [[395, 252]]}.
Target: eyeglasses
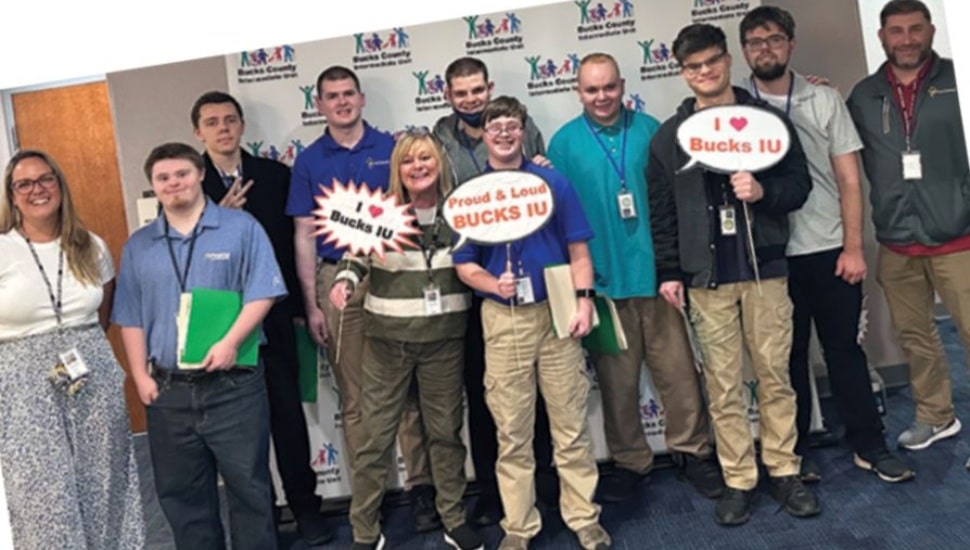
{"points": [[691, 69], [496, 130], [773, 41], [25, 186]]}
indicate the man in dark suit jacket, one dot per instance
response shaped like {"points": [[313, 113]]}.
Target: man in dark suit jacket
{"points": [[218, 122]]}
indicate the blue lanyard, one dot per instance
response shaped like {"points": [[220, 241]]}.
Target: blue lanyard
{"points": [[791, 86], [618, 168]]}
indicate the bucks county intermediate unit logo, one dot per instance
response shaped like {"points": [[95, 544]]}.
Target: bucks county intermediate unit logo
{"points": [[275, 63], [657, 60], [552, 76], [309, 115], [707, 11], [493, 33], [431, 91], [600, 19], [285, 153], [635, 103], [373, 50]]}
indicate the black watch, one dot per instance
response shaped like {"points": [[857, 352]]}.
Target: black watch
{"points": [[585, 293]]}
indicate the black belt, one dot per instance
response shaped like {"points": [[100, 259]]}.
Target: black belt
{"points": [[329, 261], [194, 375]]}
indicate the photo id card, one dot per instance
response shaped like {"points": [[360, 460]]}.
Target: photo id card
{"points": [[624, 201], [432, 299], [74, 364], [729, 221], [523, 291], [912, 165]]}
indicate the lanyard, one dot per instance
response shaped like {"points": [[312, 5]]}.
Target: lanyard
{"points": [[56, 303], [466, 144], [618, 168], [183, 276], [791, 87], [227, 179], [908, 110], [428, 249]]}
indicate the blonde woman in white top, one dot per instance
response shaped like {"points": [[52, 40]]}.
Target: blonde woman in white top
{"points": [[69, 471]]}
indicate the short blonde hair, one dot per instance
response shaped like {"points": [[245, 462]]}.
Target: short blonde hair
{"points": [[408, 142]]}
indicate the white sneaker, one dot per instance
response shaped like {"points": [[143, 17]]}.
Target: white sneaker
{"points": [[920, 436]]}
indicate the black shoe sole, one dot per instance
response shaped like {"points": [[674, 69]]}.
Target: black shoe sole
{"points": [[865, 465]]}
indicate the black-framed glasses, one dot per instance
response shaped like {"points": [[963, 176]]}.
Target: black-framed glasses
{"points": [[25, 186], [773, 41], [691, 69]]}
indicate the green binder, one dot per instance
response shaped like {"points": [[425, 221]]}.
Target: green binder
{"points": [[210, 316], [308, 355], [608, 337]]}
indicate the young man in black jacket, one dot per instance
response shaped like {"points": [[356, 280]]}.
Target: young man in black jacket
{"points": [[737, 291]]}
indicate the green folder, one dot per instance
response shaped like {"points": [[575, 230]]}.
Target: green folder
{"points": [[604, 339], [308, 356], [211, 316]]}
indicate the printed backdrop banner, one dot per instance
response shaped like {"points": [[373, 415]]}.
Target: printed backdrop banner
{"points": [[532, 54]]}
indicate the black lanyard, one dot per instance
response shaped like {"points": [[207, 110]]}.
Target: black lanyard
{"points": [[791, 87], [428, 249], [618, 168], [56, 303], [183, 276]]}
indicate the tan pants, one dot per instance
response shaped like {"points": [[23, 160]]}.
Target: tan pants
{"points": [[515, 339], [909, 284], [722, 317], [348, 374], [654, 332]]}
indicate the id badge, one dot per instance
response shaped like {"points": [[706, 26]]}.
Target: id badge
{"points": [[523, 291], [74, 364], [912, 165], [628, 208], [432, 299], [729, 220]]}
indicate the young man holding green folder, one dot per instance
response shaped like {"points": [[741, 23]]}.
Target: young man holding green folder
{"points": [[212, 420]]}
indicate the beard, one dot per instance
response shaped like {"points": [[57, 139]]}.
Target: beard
{"points": [[896, 60], [770, 72]]}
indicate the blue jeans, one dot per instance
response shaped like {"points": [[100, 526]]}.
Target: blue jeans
{"points": [[216, 423]]}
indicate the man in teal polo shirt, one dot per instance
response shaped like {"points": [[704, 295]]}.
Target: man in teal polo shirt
{"points": [[603, 154]]}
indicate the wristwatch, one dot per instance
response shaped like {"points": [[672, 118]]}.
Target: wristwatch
{"points": [[585, 293]]}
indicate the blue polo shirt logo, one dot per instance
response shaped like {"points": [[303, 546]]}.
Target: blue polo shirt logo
{"points": [[217, 256]]}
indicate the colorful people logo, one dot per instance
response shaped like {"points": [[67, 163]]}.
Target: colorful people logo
{"points": [[326, 455], [510, 24], [308, 97], [281, 54], [540, 70], [620, 9], [425, 87], [752, 386], [651, 410], [654, 55], [398, 38], [636, 103]]}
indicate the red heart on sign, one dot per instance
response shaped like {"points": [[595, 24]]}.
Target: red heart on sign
{"points": [[739, 123], [375, 211]]}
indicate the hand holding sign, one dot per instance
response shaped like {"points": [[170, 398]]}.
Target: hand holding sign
{"points": [[362, 220], [498, 207]]}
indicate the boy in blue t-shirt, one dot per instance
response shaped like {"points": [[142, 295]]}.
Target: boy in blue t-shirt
{"points": [[522, 349]]}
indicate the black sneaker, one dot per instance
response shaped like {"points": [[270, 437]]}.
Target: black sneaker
{"points": [[376, 545], [423, 510], [885, 464], [794, 497], [487, 511], [703, 473], [313, 529], [733, 507], [809, 472], [619, 485], [464, 537], [547, 488]]}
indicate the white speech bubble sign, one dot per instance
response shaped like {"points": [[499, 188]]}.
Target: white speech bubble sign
{"points": [[363, 220], [734, 138], [498, 207]]}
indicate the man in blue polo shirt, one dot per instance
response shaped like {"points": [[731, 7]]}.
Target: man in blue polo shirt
{"points": [[603, 153], [522, 349], [215, 420], [349, 150]]}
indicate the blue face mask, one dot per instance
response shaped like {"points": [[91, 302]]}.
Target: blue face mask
{"points": [[471, 119]]}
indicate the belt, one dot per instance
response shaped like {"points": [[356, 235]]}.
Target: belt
{"points": [[195, 375], [329, 261]]}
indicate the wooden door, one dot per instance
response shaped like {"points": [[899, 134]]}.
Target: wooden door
{"points": [[74, 125]]}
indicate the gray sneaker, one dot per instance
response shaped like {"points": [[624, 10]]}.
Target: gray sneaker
{"points": [[594, 537], [920, 436], [513, 542]]}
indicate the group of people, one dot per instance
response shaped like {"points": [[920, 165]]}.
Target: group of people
{"points": [[411, 335]]}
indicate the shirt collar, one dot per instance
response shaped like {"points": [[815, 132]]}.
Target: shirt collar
{"points": [[210, 219]]}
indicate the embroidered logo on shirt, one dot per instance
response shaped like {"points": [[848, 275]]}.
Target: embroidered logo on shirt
{"points": [[217, 256]]}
